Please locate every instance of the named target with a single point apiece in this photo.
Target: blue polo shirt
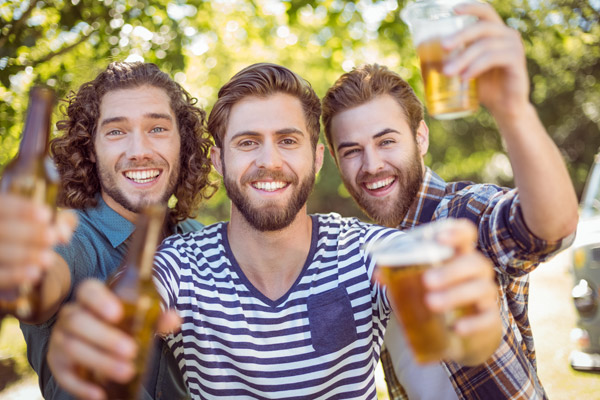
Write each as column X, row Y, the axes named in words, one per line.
column 95, row 251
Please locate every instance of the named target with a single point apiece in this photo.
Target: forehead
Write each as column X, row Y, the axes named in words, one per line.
column 365, row 120
column 266, row 114
column 133, row 101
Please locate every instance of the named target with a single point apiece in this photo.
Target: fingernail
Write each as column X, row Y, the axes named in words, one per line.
column 431, row 278
column 125, row 371
column 449, row 69
column 32, row 273
column 127, row 347
column 47, row 258
column 42, row 214
column 434, row 301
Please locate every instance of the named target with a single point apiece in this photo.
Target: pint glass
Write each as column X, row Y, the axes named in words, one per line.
column 401, row 264
column 447, row 97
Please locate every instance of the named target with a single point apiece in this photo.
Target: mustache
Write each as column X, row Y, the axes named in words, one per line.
column 367, row 177
column 262, row 174
column 127, row 164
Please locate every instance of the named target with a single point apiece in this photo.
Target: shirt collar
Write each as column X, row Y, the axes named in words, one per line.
column 428, row 197
column 114, row 226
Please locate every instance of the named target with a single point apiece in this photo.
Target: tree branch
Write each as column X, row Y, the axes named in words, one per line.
column 53, row 54
column 18, row 22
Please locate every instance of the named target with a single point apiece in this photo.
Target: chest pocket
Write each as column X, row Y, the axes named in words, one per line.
column 331, row 320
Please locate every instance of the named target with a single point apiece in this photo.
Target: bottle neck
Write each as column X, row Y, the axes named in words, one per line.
column 146, row 238
column 36, row 134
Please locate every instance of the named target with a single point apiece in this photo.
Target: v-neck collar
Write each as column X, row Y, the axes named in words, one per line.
column 257, row 293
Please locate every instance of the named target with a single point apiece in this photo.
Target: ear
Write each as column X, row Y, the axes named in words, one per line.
column 320, row 152
column 422, row 138
column 215, row 158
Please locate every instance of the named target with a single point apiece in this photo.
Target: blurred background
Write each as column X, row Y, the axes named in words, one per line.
column 63, row 43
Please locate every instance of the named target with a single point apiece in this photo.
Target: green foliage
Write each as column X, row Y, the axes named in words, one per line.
column 203, row 43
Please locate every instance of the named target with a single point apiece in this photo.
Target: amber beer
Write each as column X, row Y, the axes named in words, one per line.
column 447, row 97
column 429, row 21
column 32, row 175
column 401, row 265
column 133, row 285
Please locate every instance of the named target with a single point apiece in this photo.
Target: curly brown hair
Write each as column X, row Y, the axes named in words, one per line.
column 73, row 151
column 262, row 80
column 362, row 85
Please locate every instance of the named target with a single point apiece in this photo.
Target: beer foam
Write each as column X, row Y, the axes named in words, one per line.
column 411, row 253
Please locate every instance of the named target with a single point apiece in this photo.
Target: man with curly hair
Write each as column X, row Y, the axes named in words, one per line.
column 130, row 137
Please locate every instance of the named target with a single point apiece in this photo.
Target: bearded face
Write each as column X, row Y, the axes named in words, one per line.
column 268, row 215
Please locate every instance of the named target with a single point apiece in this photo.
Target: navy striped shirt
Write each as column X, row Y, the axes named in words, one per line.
column 319, row 340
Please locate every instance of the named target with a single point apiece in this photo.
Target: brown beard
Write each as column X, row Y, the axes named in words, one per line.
column 269, row 218
column 391, row 212
column 109, row 186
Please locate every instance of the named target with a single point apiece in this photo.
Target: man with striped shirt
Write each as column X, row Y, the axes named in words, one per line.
column 374, row 126
column 277, row 303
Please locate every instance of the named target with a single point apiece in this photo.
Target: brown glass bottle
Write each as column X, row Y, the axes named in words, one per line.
column 134, row 286
column 31, row 174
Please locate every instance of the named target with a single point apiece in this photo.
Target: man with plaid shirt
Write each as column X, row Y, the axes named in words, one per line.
column 375, row 131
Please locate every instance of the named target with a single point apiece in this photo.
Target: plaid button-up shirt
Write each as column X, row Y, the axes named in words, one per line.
column 510, row 373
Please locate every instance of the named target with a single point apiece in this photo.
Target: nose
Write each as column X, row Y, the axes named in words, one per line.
column 269, row 157
column 139, row 146
column 372, row 162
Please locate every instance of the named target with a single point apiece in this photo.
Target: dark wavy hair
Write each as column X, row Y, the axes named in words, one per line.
column 73, row 150
column 262, row 80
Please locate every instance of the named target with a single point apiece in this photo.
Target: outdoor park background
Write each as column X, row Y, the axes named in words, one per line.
column 63, row 43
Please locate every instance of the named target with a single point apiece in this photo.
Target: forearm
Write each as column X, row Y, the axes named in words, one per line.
column 548, row 200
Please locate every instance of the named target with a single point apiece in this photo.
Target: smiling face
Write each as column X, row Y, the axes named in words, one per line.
column 379, row 158
column 137, row 146
column 267, row 160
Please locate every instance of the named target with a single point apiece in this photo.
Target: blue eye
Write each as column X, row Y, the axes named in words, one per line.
column 158, row 129
column 114, row 132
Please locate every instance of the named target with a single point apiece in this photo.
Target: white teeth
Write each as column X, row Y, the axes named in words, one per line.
column 269, row 186
column 379, row 184
column 144, row 176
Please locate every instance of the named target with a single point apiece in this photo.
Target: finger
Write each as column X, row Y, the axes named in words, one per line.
column 489, row 59
column 476, row 32
column 97, row 298
column 84, row 355
column 460, row 269
column 65, row 371
column 13, row 206
column 93, row 331
column 461, row 234
column 16, row 276
column 168, row 323
column 483, row 11
column 18, row 255
column 472, row 324
column 66, row 222
column 481, row 294
column 14, row 230
column 489, row 53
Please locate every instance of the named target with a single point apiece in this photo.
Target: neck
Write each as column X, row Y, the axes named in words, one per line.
column 271, row 260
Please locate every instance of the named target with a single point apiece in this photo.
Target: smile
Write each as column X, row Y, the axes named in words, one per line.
column 143, row 176
column 379, row 184
column 269, row 186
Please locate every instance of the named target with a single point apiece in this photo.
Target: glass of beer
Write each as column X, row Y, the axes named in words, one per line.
column 447, row 97
column 401, row 263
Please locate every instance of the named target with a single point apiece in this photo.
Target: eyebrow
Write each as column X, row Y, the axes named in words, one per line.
column 148, row 115
column 280, row 132
column 375, row 136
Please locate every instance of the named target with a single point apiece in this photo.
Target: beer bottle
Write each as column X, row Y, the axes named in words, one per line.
column 134, row 286
column 31, row 174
